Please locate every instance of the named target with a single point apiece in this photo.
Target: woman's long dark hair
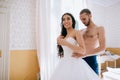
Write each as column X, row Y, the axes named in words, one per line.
column 64, row 33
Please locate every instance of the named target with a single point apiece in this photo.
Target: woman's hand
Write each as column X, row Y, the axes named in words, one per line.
column 61, row 41
column 60, row 37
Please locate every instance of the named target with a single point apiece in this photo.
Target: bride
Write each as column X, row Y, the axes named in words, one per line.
column 72, row 67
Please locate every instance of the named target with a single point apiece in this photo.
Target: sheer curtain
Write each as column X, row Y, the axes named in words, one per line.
column 48, row 19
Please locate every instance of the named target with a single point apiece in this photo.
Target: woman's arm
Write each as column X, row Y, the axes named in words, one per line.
column 76, row 49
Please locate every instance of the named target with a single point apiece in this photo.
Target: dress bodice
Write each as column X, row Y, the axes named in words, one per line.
column 68, row 51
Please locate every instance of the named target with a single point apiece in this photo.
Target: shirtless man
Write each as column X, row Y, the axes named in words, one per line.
column 94, row 38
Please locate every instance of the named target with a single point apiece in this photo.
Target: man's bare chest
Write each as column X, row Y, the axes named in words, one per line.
column 90, row 34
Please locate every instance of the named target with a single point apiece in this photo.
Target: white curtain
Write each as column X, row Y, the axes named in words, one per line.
column 46, row 38
column 48, row 19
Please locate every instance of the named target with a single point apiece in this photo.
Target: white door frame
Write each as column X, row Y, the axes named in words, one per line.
column 4, row 74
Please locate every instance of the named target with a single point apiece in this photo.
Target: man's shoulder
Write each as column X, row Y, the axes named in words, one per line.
column 100, row 28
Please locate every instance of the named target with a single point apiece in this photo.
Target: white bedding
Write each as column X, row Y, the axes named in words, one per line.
column 112, row 74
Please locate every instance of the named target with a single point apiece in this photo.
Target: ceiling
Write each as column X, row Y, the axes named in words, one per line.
column 106, row 3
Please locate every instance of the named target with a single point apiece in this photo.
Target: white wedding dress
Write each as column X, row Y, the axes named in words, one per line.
column 70, row 68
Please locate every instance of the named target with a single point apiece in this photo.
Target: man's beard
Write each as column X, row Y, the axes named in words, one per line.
column 88, row 23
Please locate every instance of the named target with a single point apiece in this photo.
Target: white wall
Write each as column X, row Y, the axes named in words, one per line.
column 22, row 24
column 109, row 18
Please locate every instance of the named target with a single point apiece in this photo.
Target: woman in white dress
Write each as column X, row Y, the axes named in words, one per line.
column 71, row 45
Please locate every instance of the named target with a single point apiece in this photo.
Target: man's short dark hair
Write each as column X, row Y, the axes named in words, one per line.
column 85, row 11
